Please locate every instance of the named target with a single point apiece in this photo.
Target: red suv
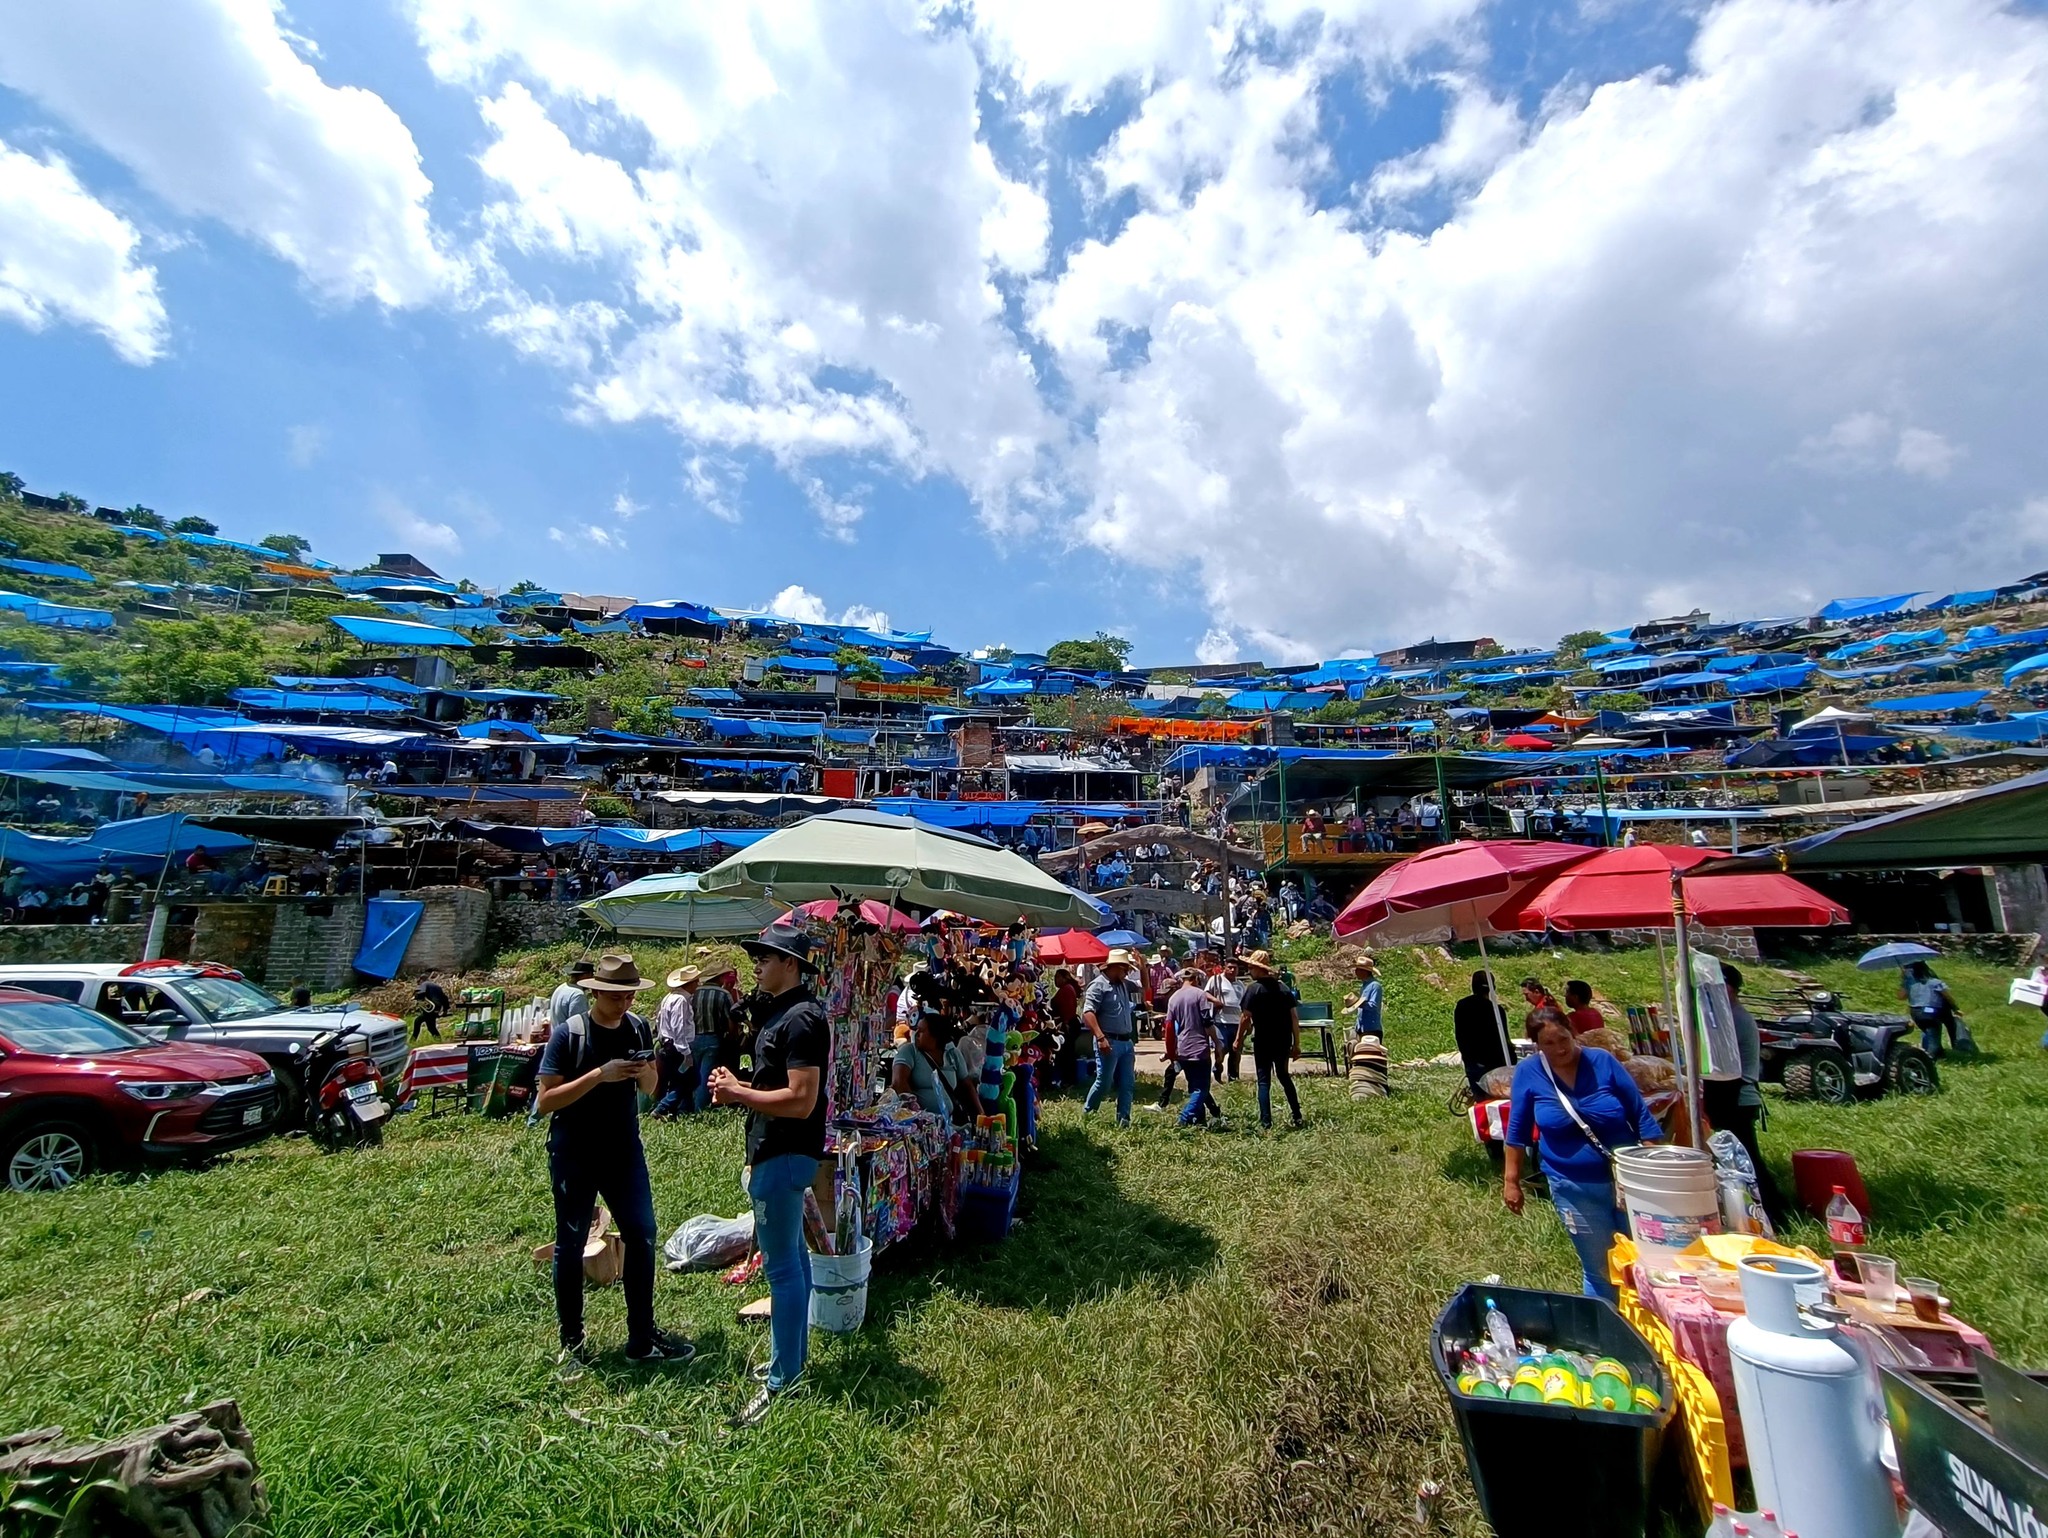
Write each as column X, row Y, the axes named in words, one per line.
column 79, row 1092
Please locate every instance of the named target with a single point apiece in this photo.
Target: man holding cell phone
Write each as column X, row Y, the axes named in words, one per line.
column 593, row 1071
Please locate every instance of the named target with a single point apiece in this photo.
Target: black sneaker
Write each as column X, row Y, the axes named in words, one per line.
column 662, row 1350
column 573, row 1358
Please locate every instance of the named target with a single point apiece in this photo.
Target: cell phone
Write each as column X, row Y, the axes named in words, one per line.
column 641, row 1057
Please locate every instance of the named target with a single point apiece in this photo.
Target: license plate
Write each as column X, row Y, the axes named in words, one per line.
column 253, row 1116
column 363, row 1091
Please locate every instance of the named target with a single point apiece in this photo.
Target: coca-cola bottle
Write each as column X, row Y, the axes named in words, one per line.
column 1845, row 1223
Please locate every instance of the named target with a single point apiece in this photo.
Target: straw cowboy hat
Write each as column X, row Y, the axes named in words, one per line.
column 682, row 977
column 615, row 973
column 1119, row 958
column 1260, row 961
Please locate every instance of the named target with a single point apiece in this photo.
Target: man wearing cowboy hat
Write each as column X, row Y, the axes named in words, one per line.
column 1366, row 1005
column 1110, row 1011
column 675, row 1032
column 1273, row 1016
column 592, row 1073
column 785, row 1106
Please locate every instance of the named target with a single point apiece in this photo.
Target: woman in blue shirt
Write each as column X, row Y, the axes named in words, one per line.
column 1561, row 1078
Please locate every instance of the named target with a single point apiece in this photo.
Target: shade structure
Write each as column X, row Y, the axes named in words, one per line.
column 1072, row 948
column 1125, row 937
column 1455, row 886
column 854, row 854
column 1631, row 889
column 674, row 907
column 879, row 914
column 1884, row 958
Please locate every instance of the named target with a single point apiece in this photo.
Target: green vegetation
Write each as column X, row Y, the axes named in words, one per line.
column 290, row 545
column 192, row 662
column 1106, row 653
column 1572, row 649
column 194, row 525
column 1223, row 1334
column 855, row 663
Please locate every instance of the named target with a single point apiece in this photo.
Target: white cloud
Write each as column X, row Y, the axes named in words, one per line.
column 714, row 485
column 797, row 603
column 1639, row 356
column 1216, row 645
column 625, row 509
column 868, row 619
column 210, row 105
column 65, row 256
column 1478, row 133
column 838, row 515
column 416, row 534
column 304, row 443
column 587, row 536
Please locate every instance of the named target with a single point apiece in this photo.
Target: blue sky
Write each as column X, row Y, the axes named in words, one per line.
column 1244, row 330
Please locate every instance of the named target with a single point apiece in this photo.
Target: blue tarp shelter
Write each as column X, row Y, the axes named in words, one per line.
column 639, row 840
column 1975, row 642
column 2020, row 730
column 371, row 581
column 362, row 702
column 1867, row 608
column 716, row 696
column 1971, row 600
column 1771, row 680
column 1274, row 699
column 397, row 632
column 261, row 552
column 58, row 569
column 2021, row 670
column 790, row 663
column 1921, row 704
column 607, row 627
column 140, row 844
column 1609, row 649
column 388, row 925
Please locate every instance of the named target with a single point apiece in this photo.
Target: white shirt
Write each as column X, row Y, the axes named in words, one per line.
column 675, row 1020
column 1228, row 993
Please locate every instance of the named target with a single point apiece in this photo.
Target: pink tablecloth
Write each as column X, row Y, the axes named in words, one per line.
column 1700, row 1332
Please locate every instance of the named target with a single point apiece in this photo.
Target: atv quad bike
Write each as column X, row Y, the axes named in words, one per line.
column 1818, row 1050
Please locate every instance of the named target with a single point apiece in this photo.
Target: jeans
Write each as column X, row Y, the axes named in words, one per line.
column 1270, row 1061
column 618, row 1173
column 703, row 1057
column 1958, row 1033
column 1173, row 1067
column 1229, row 1049
column 1201, row 1104
column 1115, row 1060
column 777, row 1186
column 673, row 1081
column 1592, row 1218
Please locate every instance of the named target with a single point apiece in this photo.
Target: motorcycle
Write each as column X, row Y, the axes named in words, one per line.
column 347, row 1103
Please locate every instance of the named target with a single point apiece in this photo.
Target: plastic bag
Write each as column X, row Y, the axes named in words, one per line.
column 1742, row 1203
column 1652, row 1074
column 1609, row 1040
column 709, row 1241
column 1496, row 1083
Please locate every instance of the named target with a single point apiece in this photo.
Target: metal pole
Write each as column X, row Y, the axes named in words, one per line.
column 1606, row 827
column 1690, row 1067
column 1500, row 1015
column 1443, row 801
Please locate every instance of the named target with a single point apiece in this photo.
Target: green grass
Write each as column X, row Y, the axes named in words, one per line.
column 1189, row 1333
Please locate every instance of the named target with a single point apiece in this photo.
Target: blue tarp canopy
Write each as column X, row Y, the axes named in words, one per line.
column 1519, row 659
column 1867, row 608
column 891, row 668
column 441, row 614
column 38, row 611
column 674, row 609
column 1771, row 680
column 139, row 844
column 2020, row 730
column 1673, row 681
column 1610, row 649
column 373, row 581
column 397, row 632
column 991, row 814
column 716, row 696
column 640, row 840
column 506, row 696
column 1958, row 699
column 1975, row 641
column 795, row 731
column 388, row 925
column 1001, row 686
column 2022, row 669
column 261, row 552
column 1970, row 600
column 484, row 731
column 607, row 627
column 359, row 703
column 1274, row 699
column 1495, row 680
column 812, row 647
column 47, row 569
column 790, row 663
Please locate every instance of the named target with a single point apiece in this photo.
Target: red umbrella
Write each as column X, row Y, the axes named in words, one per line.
column 879, row 914
column 1528, row 742
column 1074, row 946
column 1454, row 884
column 1631, row 889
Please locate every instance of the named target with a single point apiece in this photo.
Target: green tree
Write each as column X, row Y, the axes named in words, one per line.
column 855, row 663
column 1106, row 653
column 143, row 517
column 11, row 485
column 191, row 525
column 1000, row 654
column 72, row 502
column 192, row 662
column 1579, row 642
column 290, row 545
column 1625, row 699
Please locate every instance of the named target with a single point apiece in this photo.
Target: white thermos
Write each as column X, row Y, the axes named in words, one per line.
column 1810, row 1415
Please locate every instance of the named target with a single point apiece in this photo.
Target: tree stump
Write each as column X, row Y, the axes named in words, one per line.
column 193, row 1477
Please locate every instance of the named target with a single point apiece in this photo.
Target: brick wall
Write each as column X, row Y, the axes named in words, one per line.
column 24, row 944
column 235, row 935
column 313, row 950
column 452, row 929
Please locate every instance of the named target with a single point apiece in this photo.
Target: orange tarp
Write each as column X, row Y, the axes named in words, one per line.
column 1185, row 731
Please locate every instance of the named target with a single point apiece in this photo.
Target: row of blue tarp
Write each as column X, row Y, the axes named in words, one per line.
column 2021, row 731
column 236, row 737
column 139, row 844
column 991, row 814
column 371, row 581
column 361, row 702
column 1771, row 680
column 606, row 627
column 634, row 840
column 1867, row 608
column 1275, row 699
column 67, row 572
column 441, row 614
column 2025, row 668
column 1923, row 704
column 261, row 552
column 40, row 611
column 397, row 632
column 1977, row 641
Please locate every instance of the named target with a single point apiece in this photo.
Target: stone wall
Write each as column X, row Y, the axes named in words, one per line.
column 236, row 935
column 316, row 950
column 29, row 944
column 519, row 923
column 452, row 929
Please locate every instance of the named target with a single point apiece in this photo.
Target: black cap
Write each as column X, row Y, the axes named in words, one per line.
column 782, row 940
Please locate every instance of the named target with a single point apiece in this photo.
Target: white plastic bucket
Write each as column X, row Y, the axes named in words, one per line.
column 1670, row 1195
column 839, row 1289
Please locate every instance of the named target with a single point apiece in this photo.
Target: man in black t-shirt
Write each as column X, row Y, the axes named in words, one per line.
column 1273, row 1017
column 785, row 1107
column 592, row 1073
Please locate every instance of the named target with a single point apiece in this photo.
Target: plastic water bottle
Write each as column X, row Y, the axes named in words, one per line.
column 1845, row 1224
column 1499, row 1332
column 1723, row 1525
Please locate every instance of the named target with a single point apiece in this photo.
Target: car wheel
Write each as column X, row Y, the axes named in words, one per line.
column 1834, row 1081
column 49, row 1156
column 1911, row 1071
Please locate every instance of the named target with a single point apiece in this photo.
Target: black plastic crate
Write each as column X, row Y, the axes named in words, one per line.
column 1541, row 1469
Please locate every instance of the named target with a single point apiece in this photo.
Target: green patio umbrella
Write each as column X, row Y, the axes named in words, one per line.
column 675, row 907
column 856, row 854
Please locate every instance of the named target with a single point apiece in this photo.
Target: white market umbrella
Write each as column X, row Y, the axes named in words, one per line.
column 857, row 854
column 675, row 907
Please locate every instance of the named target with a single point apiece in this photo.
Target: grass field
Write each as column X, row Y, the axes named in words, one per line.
column 1189, row 1333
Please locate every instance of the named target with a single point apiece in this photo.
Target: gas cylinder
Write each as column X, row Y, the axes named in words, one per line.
column 1810, row 1413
